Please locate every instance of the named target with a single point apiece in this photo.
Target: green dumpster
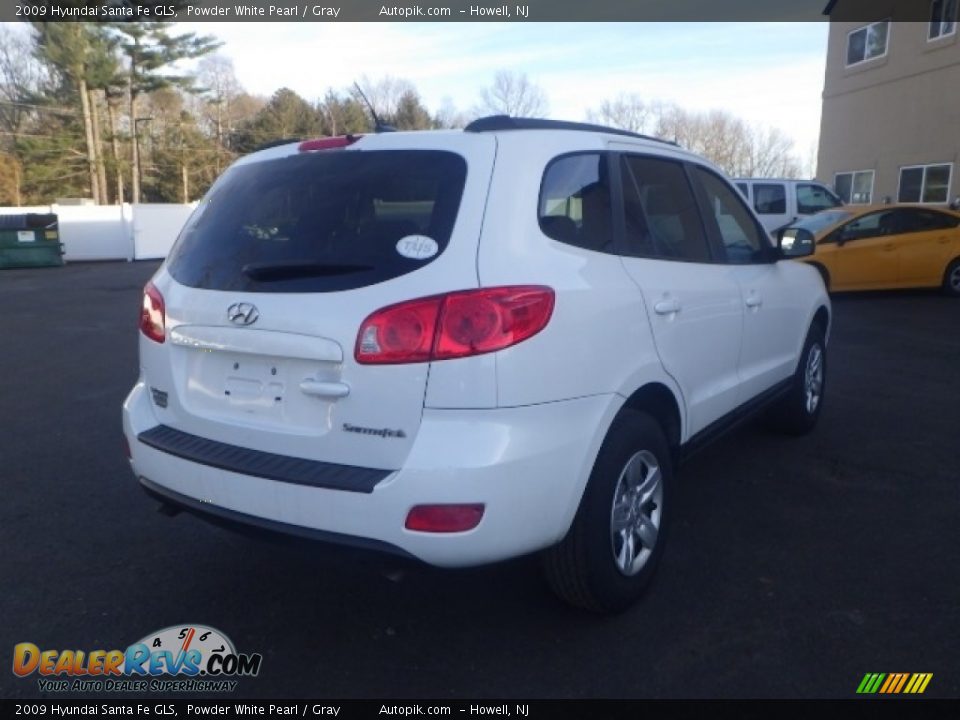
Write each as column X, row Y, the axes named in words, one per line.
column 30, row 240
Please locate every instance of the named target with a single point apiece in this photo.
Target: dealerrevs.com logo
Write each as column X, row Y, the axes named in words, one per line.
column 187, row 658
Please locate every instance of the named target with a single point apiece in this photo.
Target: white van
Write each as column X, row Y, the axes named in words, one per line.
column 780, row 201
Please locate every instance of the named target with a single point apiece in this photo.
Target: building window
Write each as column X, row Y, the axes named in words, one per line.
column 943, row 18
column 868, row 42
column 925, row 183
column 854, row 188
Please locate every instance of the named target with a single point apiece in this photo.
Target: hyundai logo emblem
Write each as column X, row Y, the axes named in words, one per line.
column 243, row 313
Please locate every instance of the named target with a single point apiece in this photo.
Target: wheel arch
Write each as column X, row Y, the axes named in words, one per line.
column 654, row 397
column 824, row 273
column 946, row 268
column 659, row 401
column 822, row 318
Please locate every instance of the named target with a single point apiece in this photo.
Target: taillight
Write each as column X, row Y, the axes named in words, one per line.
column 455, row 325
column 444, row 518
column 153, row 314
column 328, row 143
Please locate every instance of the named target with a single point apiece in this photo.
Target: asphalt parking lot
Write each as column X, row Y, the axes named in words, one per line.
column 793, row 568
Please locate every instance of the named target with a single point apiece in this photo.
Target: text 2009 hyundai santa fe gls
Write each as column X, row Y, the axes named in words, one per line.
column 465, row 346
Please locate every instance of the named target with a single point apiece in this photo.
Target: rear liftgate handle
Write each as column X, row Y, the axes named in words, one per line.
column 331, row 390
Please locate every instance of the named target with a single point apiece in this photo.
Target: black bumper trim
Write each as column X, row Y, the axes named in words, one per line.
column 262, row 464
column 261, row 527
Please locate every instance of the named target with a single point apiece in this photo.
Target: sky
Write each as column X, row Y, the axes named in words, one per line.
column 769, row 74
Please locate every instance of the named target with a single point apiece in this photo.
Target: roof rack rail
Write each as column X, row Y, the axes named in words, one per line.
column 493, row 123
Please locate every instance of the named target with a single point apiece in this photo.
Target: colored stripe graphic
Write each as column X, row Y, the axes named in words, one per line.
column 903, row 679
column 870, row 683
column 892, row 679
column 894, row 683
column 918, row 683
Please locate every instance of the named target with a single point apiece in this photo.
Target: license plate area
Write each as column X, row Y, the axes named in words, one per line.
column 256, row 390
column 254, row 384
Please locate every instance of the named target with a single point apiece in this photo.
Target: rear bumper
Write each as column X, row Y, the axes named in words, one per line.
column 527, row 465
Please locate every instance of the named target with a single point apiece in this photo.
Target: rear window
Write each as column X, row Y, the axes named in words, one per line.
column 321, row 222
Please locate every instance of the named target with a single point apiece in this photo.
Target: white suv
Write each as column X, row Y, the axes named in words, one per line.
column 464, row 346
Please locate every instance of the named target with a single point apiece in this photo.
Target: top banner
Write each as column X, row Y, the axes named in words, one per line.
column 464, row 10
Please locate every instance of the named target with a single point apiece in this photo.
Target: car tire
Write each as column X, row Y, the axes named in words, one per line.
column 797, row 412
column 951, row 279
column 612, row 549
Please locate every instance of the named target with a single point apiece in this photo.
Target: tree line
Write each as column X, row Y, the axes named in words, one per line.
column 99, row 110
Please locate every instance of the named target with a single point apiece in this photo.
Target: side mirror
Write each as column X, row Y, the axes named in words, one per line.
column 796, row 242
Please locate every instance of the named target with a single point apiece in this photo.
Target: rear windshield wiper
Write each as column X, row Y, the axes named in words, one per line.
column 271, row 272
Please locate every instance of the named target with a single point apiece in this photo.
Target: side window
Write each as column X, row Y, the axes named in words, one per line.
column 575, row 206
column 814, row 198
column 661, row 217
column 742, row 187
column 769, row 198
column 739, row 233
column 911, row 221
column 875, row 224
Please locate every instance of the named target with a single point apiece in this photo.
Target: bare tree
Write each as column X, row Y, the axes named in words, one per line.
column 738, row 148
column 773, row 154
column 384, row 94
column 626, row 111
column 448, row 117
column 513, row 94
column 221, row 89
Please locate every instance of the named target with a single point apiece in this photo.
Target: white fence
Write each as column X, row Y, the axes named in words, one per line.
column 114, row 232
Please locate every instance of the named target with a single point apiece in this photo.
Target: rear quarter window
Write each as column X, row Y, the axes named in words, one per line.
column 321, row 222
column 575, row 202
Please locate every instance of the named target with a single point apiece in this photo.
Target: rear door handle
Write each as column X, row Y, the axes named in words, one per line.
column 325, row 389
column 667, row 307
column 754, row 301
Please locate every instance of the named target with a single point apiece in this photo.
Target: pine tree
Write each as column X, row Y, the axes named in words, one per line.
column 150, row 49
column 67, row 47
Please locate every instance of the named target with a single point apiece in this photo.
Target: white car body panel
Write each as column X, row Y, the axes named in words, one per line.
column 517, row 430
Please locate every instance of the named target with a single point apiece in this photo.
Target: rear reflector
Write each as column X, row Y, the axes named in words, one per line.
column 444, row 518
column 153, row 314
column 328, row 143
column 455, row 325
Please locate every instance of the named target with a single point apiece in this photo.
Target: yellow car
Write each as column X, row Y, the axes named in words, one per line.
column 877, row 247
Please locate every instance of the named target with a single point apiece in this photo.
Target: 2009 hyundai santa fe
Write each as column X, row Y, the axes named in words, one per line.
column 470, row 345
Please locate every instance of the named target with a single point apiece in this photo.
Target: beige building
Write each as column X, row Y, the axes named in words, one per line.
column 891, row 104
